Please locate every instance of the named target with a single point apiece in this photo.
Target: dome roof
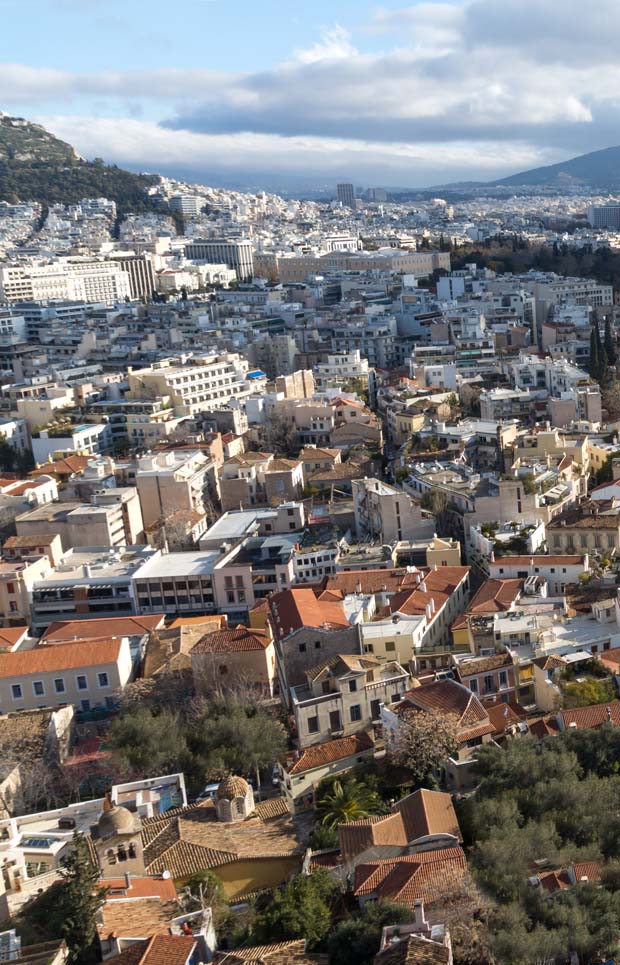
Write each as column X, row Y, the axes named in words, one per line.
column 232, row 787
column 115, row 820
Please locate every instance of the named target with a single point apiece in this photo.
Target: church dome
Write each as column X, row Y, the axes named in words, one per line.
column 115, row 820
column 232, row 787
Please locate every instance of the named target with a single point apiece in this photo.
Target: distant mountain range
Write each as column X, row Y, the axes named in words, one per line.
column 36, row 166
column 598, row 169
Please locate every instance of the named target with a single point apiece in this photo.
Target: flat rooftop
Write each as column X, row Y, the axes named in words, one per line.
column 199, row 563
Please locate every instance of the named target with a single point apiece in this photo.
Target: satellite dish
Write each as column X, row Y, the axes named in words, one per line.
column 165, row 875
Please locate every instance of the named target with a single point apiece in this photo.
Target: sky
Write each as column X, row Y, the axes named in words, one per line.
column 311, row 91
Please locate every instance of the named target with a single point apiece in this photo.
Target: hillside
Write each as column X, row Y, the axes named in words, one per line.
column 599, row 169
column 36, row 166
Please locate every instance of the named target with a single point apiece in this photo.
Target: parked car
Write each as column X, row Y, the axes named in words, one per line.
column 208, row 793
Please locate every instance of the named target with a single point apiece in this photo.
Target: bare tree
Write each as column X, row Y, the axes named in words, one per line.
column 424, row 740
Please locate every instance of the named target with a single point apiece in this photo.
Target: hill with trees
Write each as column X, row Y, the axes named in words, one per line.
column 37, row 166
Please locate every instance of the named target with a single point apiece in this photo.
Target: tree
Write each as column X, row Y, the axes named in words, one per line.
column 422, row 742
column 147, row 742
column 347, row 801
column 587, row 692
column 280, row 435
column 232, row 737
column 70, row 907
column 301, row 909
column 356, row 940
column 610, row 342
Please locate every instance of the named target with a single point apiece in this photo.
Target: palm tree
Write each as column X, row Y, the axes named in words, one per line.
column 347, row 802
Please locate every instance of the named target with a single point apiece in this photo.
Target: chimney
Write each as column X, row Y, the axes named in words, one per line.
column 421, row 923
column 358, row 587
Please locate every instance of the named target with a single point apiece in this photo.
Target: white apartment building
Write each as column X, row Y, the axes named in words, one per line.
column 64, row 280
column 187, row 205
column 210, row 383
column 236, row 254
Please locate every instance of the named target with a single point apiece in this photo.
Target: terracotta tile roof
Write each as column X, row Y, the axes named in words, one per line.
column 9, row 636
column 137, row 917
column 494, row 596
column 450, row 697
column 293, row 609
column 63, row 467
column 553, row 881
column 576, row 519
column 65, row 656
column 168, row 950
column 354, row 837
column 279, row 953
column 591, row 717
column 67, row 630
column 413, row 950
column 131, row 955
column 427, row 813
column 237, row 640
column 25, row 733
column 610, row 659
column 194, row 840
column 503, row 715
column 39, row 539
column 337, row 750
column 476, row 665
column 309, row 454
column 429, row 876
column 592, row 870
column 549, row 662
column 205, row 619
column 544, row 727
column 372, row 581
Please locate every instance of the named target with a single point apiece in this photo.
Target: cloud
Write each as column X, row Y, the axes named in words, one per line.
column 146, row 145
column 335, row 44
column 473, row 83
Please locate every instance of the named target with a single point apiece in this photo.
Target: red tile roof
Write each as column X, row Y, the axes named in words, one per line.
column 293, row 609
column 429, row 876
column 591, row 717
column 450, row 697
column 66, row 630
column 147, row 887
column 591, row 870
column 237, row 640
column 9, row 636
column 65, row 656
column 494, row 596
column 331, row 751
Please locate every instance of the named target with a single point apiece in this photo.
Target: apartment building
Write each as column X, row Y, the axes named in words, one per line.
column 176, row 583
column 236, row 254
column 343, row 695
column 173, row 481
column 559, row 571
column 84, row 674
column 64, row 280
column 86, row 439
column 105, row 521
column 89, row 582
column 387, row 514
column 211, row 384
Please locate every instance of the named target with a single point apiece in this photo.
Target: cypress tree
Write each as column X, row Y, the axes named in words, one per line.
column 594, row 361
column 610, row 344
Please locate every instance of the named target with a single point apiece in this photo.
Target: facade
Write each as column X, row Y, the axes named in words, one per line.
column 344, row 695
column 86, row 675
column 230, row 658
column 235, row 254
column 173, row 481
column 192, row 388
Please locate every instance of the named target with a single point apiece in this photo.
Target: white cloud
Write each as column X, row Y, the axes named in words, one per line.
column 147, row 146
column 335, row 44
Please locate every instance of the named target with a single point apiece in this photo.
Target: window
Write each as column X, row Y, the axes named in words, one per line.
column 334, row 720
column 488, row 683
column 317, row 644
column 375, row 709
column 355, row 712
column 223, row 668
column 473, row 686
column 503, row 678
column 38, row 688
column 313, row 725
column 16, row 691
column 395, row 698
column 103, row 680
column 59, row 685
column 82, row 682
column 85, row 705
column 110, row 703
column 352, row 686
column 390, row 646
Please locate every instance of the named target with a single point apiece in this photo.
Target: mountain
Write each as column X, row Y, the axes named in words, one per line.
column 36, row 166
column 598, row 169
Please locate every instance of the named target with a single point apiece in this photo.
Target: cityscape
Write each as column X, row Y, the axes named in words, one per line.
column 310, row 489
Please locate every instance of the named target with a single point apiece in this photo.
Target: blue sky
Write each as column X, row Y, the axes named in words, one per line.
column 392, row 93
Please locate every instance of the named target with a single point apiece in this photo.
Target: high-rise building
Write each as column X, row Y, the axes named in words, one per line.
column 235, row 254
column 346, row 194
column 140, row 271
column 187, row 205
column 76, row 281
column 604, row 215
